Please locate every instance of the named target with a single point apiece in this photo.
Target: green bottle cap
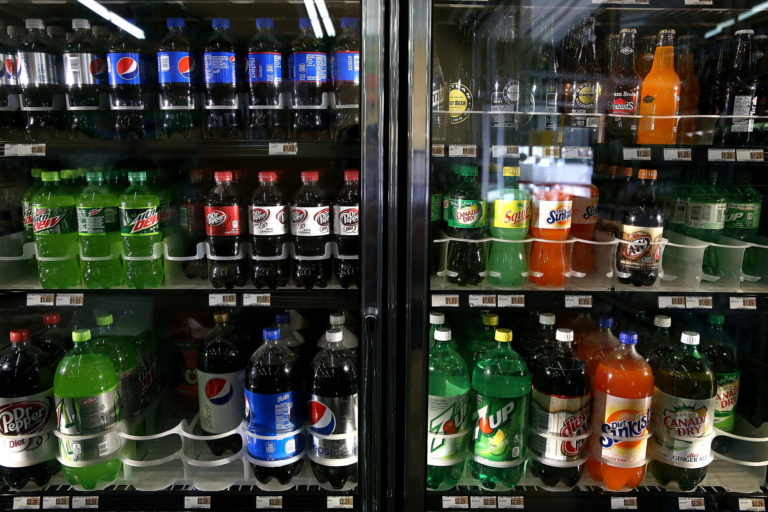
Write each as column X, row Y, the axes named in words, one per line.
column 490, row 319
column 82, row 172
column 50, row 176
column 36, row 173
column 99, row 169
column 112, row 175
column 716, row 318
column 81, row 335
column 468, row 170
column 104, row 318
column 504, row 335
column 68, row 174
column 137, row 176
column 94, row 176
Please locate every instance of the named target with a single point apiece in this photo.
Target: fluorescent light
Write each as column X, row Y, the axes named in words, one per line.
column 114, row 18
column 312, row 13
column 325, row 17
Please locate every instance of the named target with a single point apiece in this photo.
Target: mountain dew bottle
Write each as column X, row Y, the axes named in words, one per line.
column 55, row 227
column 447, row 413
column 98, row 223
column 503, row 388
column 140, row 227
column 26, row 204
column 511, row 218
column 120, row 350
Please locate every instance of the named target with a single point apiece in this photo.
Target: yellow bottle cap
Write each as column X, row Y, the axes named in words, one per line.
column 504, row 334
column 490, row 319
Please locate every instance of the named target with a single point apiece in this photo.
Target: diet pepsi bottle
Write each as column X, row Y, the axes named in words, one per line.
column 224, row 216
column 56, row 36
column 308, row 74
column 128, row 81
column 177, row 72
column 192, row 224
column 101, row 35
column 269, row 229
column 85, row 77
column 310, row 227
column 220, row 78
column 8, row 78
column 274, row 407
column 36, row 61
column 265, row 78
column 346, row 229
column 345, row 66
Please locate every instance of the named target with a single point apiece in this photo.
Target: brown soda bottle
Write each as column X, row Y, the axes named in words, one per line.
column 505, row 86
column 689, row 89
column 622, row 90
column 738, row 98
column 582, row 91
column 714, row 79
column 646, row 51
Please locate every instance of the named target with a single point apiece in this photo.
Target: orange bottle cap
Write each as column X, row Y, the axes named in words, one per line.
column 646, row 174
column 624, row 171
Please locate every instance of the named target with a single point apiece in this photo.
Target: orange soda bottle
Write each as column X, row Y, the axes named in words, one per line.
column 582, row 326
column 622, row 392
column 598, row 345
column 552, row 208
column 583, row 223
column 660, row 95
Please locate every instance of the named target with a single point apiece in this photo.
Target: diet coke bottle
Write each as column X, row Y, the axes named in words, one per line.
column 268, row 227
column 224, row 216
column 346, row 227
column 311, row 229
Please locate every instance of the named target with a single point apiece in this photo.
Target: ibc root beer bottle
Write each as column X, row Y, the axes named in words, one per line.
column 660, row 95
column 582, row 92
column 460, row 93
column 622, row 90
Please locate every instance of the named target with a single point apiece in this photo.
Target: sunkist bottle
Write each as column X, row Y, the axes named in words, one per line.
column 660, row 344
column 718, row 347
column 508, row 262
column 660, row 95
column 140, row 227
column 598, row 345
column 583, row 221
column 466, row 218
column 120, row 350
column 482, row 343
column 551, row 220
column 622, row 92
column 642, row 230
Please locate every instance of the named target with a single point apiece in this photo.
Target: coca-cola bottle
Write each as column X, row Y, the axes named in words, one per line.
column 311, row 230
column 622, row 91
column 192, row 224
column 269, row 231
column 224, row 216
column 346, row 228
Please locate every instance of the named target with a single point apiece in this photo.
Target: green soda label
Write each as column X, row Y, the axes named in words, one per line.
column 500, row 431
column 89, row 415
column 436, row 208
column 466, row 213
column 727, row 396
column 743, row 215
column 97, row 220
column 139, row 221
column 54, row 221
column 705, row 215
column 447, row 415
column 29, row 214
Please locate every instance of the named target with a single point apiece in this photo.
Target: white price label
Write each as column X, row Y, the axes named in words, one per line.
column 698, row 2
column 750, row 155
column 698, row 303
column 457, row 150
column 578, row 301
column 24, row 150
column 480, row 301
column 511, row 301
column 721, row 155
column 677, row 154
column 637, row 153
column 267, row 502
column 577, row 152
column 85, row 502
column 743, row 302
column 628, row 503
column 482, row 501
column 690, row 503
column 26, row 503
column 339, row 502
column 257, row 299
column 438, row 150
column 547, row 151
column 69, row 299
column 511, row 502
column 441, row 301
column 191, row 502
column 505, row 151
column 752, row 504
column 670, row 302
column 55, row 502
column 40, row 299
column 283, row 148
column 222, row 299
column 455, row 502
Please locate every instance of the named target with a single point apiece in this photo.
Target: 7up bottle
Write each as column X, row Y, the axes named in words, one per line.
column 503, row 388
column 447, row 413
column 140, row 227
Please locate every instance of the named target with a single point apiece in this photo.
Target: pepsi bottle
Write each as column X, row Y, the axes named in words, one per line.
column 346, row 229
column 8, row 77
column 102, row 36
column 85, row 77
column 220, row 78
column 333, row 412
column 265, row 78
column 345, row 63
column 308, row 75
column 192, row 224
column 310, row 227
column 36, row 61
column 224, row 217
column 128, row 82
column 269, row 232
column 177, row 70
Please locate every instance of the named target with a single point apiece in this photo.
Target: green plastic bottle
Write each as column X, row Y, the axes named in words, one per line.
column 140, row 227
column 705, row 218
column 82, row 176
column 500, row 416
column 465, row 210
column 447, row 413
column 113, row 181
column 481, row 344
column 677, row 204
column 508, row 262
column 69, row 181
column 120, row 350
column 135, row 325
column 719, row 349
column 26, row 204
column 164, row 211
column 742, row 217
column 85, row 387
column 437, row 319
column 660, row 344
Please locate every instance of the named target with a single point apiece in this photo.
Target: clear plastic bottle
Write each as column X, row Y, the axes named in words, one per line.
column 337, row 321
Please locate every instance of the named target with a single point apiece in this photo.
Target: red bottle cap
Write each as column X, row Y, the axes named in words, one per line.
column 310, row 176
column 18, row 335
column 51, row 318
column 223, row 176
column 268, row 176
column 196, row 174
column 236, row 175
column 351, row 175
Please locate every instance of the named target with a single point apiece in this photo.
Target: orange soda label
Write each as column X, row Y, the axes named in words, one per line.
column 624, row 418
column 552, row 214
column 585, row 210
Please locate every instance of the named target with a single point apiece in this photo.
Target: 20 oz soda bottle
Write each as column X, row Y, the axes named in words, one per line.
column 9, row 83
column 128, row 80
column 346, row 229
column 26, row 204
column 268, row 226
column 220, row 82
column 551, row 220
column 38, row 79
column 177, row 73
column 508, row 262
column 85, row 77
column 224, row 217
column 345, row 68
column 640, row 253
column 192, row 223
column 465, row 216
column 140, row 227
column 307, row 71
column 310, row 227
column 265, row 79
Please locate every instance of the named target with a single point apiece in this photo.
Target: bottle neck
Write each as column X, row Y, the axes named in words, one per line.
column 625, row 56
column 95, row 182
column 547, row 328
column 646, row 192
column 661, row 331
column 743, row 55
column 511, row 182
column 503, row 345
column 664, row 58
column 175, row 30
column 263, row 31
column 349, row 31
column 442, row 345
column 603, row 329
column 351, row 182
column 691, row 350
column 306, row 31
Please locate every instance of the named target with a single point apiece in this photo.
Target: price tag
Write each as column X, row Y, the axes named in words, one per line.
column 283, row 148
column 24, row 150
column 669, row 302
column 222, row 299
column 438, row 150
column 40, row 299
column 749, row 155
column 55, row 502
column 752, row 504
column 511, row 502
column 578, row 301
column 269, row 502
column 698, row 2
column 505, row 151
column 69, row 299
column 339, row 502
column 637, row 153
column 197, row 502
column 511, row 301
column 479, row 301
column 85, row 502
column 455, row 502
column 26, row 503
column 628, row 503
column 721, row 155
column 743, row 302
column 698, row 303
column 257, row 299
column 677, row 154
column 458, row 150
column 690, row 503
column 482, row 501
column 441, row 301
column 550, row 151
column 577, row 152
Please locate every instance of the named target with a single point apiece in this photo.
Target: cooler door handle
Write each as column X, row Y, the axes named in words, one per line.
column 371, row 319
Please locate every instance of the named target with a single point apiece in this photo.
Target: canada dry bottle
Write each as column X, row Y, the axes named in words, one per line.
column 466, row 218
column 718, row 347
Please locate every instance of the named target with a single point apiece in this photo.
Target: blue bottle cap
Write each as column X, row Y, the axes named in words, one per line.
column 348, row 22
column 131, row 21
column 628, row 337
column 264, row 23
column 175, row 22
column 272, row 333
column 220, row 23
column 305, row 22
column 283, row 317
column 605, row 321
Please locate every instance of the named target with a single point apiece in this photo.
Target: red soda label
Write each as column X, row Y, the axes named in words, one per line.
column 192, row 216
column 27, row 415
column 223, row 221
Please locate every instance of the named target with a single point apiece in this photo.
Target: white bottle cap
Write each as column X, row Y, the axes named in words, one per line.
column 690, row 338
column 436, row 318
column 547, row 319
column 564, row 335
column 81, row 23
column 334, row 335
column 34, row 23
column 662, row 321
column 337, row 319
column 443, row 334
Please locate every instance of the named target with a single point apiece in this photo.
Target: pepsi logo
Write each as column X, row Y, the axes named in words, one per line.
column 10, row 67
column 232, row 58
column 98, row 68
column 218, row 391
column 321, row 418
column 323, row 217
column 187, row 67
column 127, row 68
column 216, row 218
column 94, row 212
column 259, row 215
column 298, row 215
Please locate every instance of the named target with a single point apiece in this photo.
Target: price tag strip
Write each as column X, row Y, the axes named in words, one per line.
column 677, row 154
column 441, row 301
column 721, row 155
column 637, row 153
column 752, row 504
column 462, row 150
column 438, row 151
column 743, row 302
column 222, row 299
column 455, row 502
column 24, row 150
column 505, row 151
column 577, row 152
column 750, row 155
column 482, row 501
column 26, row 503
column 55, row 502
column 628, row 503
column 482, row 301
column 85, row 502
column 550, row 151
column 197, row 502
column 578, row 301
column 514, row 502
column 269, row 502
column 69, row 299
column 511, row 301
column 698, row 303
column 339, row 502
column 283, row 148
column 669, row 302
column 690, row 503
column 257, row 299
column 40, row 299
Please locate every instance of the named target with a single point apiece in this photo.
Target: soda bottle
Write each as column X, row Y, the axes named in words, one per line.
column 55, row 229
column 461, row 90
column 738, row 97
column 546, row 92
column 140, row 227
column 683, row 416
column 622, row 191
column 508, row 262
column 503, row 388
column 622, row 92
column 715, row 82
column 505, row 85
column 582, row 326
column 192, row 223
column 294, row 340
column 705, row 218
column 332, row 411
column 9, row 83
column 582, row 92
column 439, row 100
column 120, row 350
column 272, row 375
column 742, row 216
column 224, row 216
column 690, row 90
column 269, row 232
column 718, row 347
column 446, row 413
column 528, row 344
column 128, row 81
column 27, row 406
column 345, row 66
column 598, row 345
column 85, row 386
column 465, row 212
column 660, row 345
column 177, row 73
column 622, row 389
column 307, row 73
column 583, row 222
column 16, row 34
column 37, row 77
column 69, row 181
column 349, row 340
column 57, row 39
column 560, row 405
column 646, row 54
column 27, row 211
column 642, row 230
column 101, row 34
column 265, row 79
column 310, row 227
column 98, row 224
column 114, row 181
column 346, row 229
column 85, row 76
column 660, row 95
column 54, row 340
column 552, row 208
column 485, row 340
column 436, row 320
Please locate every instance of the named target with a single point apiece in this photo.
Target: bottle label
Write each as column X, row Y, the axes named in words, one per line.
column 682, row 417
column 89, row 415
column 552, row 214
column 176, row 68
column 310, row 67
column 335, row 417
column 512, row 214
column 23, row 416
column 192, row 216
column 346, row 220
column 186, row 375
column 447, row 415
column 126, row 69
column 347, row 67
column 506, row 101
column 623, row 104
column 706, row 215
column 219, row 68
column 680, row 453
column 97, row 220
column 744, row 106
column 727, row 396
column 310, row 220
column 128, row 391
column 436, row 208
column 139, row 221
column 222, row 221
column 36, row 68
column 91, row 449
column 679, row 211
column 165, row 215
column 550, row 106
column 54, row 221
column 8, row 75
column 641, row 254
column 268, row 220
column 85, row 69
column 585, row 210
column 273, row 415
column 560, row 416
column 465, row 213
column 499, row 434
column 28, row 213
column 622, row 417
column 149, row 385
column 265, row 67
column 221, row 400
column 742, row 215
column 585, row 95
column 459, row 103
